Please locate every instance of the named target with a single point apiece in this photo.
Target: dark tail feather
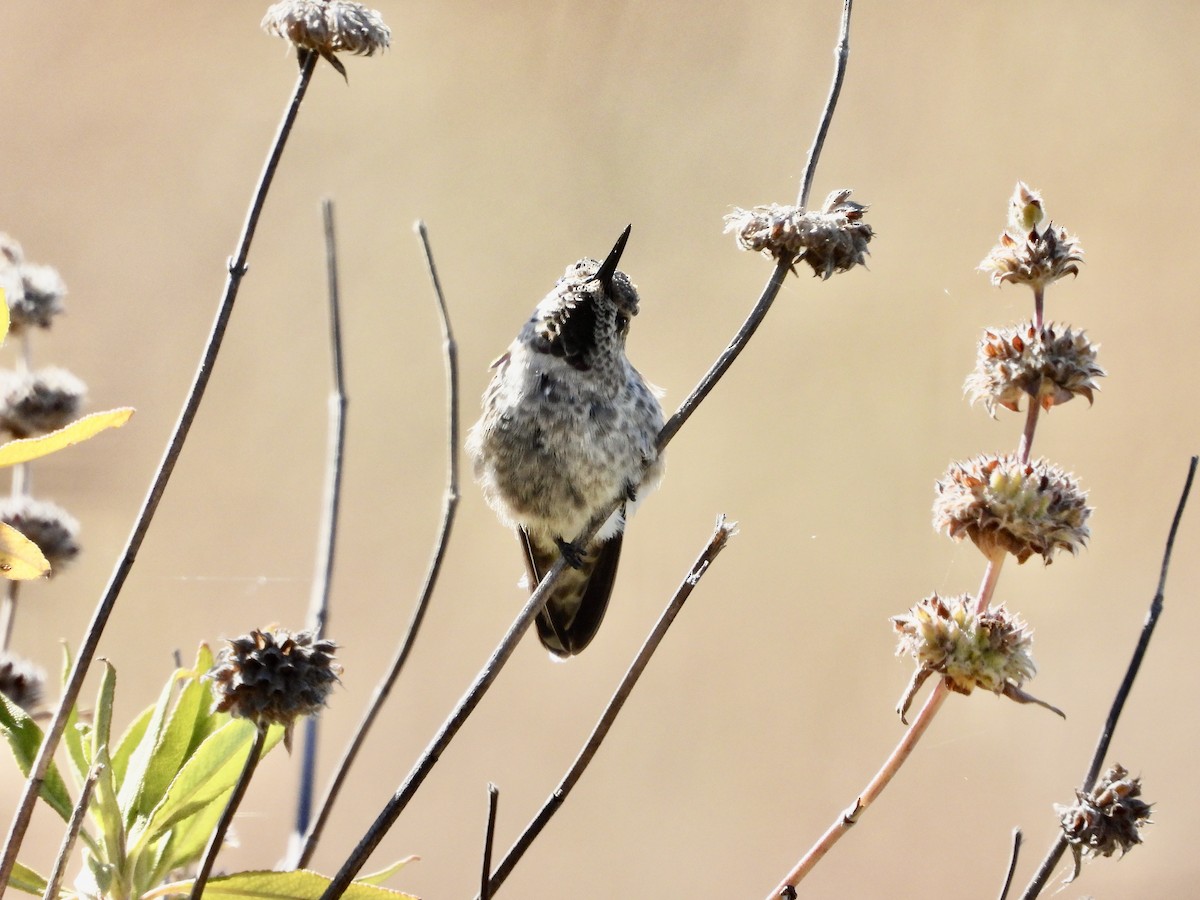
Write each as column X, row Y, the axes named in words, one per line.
column 576, row 606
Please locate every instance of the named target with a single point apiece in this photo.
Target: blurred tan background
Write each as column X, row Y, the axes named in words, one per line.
column 527, row 135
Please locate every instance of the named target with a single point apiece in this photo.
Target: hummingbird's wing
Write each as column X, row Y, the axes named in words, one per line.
column 577, row 604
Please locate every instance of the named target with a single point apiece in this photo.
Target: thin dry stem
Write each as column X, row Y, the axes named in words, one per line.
column 318, row 616
column 720, row 537
column 54, row 882
column 235, row 799
column 1025, row 447
column 449, row 505
column 489, row 840
column 784, row 264
column 1051, row 860
column 1013, row 856
column 335, row 459
column 841, row 56
column 874, row 788
column 991, row 576
column 91, row 640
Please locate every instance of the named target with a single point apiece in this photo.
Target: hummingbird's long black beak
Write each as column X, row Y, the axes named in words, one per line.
column 608, row 268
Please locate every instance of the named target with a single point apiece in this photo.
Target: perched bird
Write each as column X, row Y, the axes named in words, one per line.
column 568, row 427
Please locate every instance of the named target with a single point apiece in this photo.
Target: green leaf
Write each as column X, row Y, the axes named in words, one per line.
column 148, row 868
column 187, row 839
column 127, row 746
column 25, row 737
column 298, row 885
column 137, row 758
column 189, row 724
column 24, row 878
column 102, row 717
column 80, row 430
column 207, row 721
column 204, row 779
column 20, row 558
column 106, row 812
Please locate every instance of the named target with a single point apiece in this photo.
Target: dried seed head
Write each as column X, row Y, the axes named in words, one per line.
column 328, row 27
column 969, row 649
column 20, row 681
column 34, row 293
column 273, row 676
column 989, row 650
column 52, row 528
column 832, row 240
column 1003, row 504
column 1050, row 367
column 1107, row 818
column 41, row 298
column 1026, row 256
column 34, row 403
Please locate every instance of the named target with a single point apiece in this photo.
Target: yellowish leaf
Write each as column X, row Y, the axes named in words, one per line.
column 3, row 315
column 384, row 874
column 80, row 430
column 20, row 558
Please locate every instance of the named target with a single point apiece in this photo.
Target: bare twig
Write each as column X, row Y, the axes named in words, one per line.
column 784, row 264
column 1025, row 448
column 449, row 505
column 849, row 817
column 54, row 882
column 537, row 600
column 430, row 755
column 1118, row 705
column 727, row 357
column 1012, row 864
column 91, row 639
column 318, row 616
column 489, row 839
column 335, row 461
column 882, row 778
column 841, row 56
column 235, row 800
column 720, row 537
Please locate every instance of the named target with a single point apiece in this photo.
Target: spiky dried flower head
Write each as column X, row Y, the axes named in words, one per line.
column 946, row 635
column 21, row 681
column 33, row 403
column 1025, row 255
column 273, row 676
column 41, row 298
column 34, row 292
column 1049, row 366
column 831, row 240
column 328, row 27
column 1003, row 504
column 52, row 528
column 1106, row 819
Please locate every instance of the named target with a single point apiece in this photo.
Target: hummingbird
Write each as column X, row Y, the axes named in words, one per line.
column 569, row 426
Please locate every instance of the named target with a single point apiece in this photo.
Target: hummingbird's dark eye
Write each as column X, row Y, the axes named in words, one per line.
column 622, row 322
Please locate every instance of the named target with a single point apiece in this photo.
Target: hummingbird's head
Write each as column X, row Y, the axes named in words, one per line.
column 586, row 317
